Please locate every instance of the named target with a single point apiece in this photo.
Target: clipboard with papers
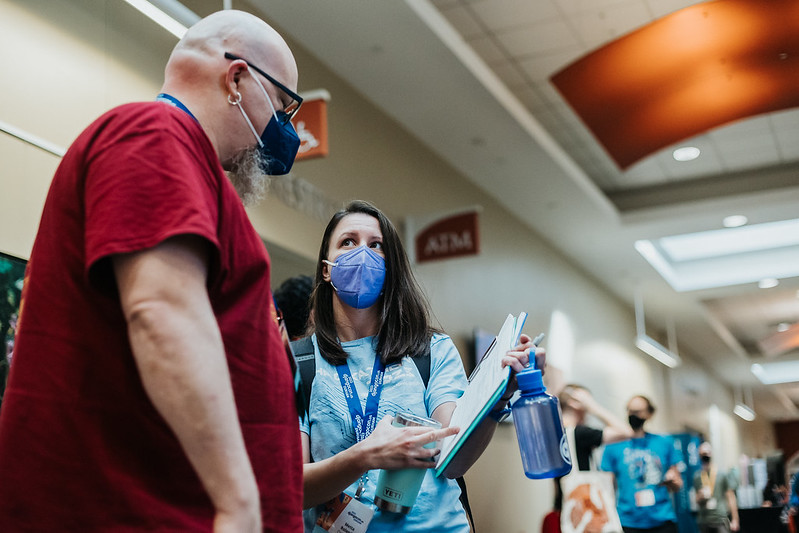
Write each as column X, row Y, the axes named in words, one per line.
column 486, row 385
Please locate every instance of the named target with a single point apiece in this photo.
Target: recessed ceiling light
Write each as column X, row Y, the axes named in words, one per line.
column 768, row 283
column 734, row 221
column 783, row 326
column 686, row 153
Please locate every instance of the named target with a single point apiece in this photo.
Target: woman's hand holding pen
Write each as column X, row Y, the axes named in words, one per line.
column 389, row 447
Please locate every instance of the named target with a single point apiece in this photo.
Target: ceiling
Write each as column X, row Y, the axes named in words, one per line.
column 470, row 78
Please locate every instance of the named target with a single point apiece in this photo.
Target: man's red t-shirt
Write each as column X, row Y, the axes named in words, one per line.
column 82, row 448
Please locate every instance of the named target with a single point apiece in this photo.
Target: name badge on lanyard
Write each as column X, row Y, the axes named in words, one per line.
column 345, row 513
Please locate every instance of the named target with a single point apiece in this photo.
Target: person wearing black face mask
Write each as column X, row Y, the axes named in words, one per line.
column 715, row 496
column 646, row 469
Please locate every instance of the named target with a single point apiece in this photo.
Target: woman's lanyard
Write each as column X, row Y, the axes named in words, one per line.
column 363, row 422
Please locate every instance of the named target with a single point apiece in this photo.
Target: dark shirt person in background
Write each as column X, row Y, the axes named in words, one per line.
column 576, row 403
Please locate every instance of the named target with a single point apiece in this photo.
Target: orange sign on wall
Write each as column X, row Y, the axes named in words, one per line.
column 311, row 124
column 454, row 236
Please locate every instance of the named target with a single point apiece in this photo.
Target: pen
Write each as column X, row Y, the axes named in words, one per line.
column 536, row 342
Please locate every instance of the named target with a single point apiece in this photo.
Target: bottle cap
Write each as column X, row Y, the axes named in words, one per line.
column 530, row 381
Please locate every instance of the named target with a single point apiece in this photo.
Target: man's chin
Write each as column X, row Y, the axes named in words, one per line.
column 247, row 177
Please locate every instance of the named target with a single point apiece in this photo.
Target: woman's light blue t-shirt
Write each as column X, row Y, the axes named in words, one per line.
column 437, row 507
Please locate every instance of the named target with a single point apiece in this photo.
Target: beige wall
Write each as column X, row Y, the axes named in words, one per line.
column 76, row 64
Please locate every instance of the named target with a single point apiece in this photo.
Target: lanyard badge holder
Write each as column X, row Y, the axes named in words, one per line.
column 345, row 513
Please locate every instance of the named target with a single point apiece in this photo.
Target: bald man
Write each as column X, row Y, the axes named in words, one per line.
column 150, row 390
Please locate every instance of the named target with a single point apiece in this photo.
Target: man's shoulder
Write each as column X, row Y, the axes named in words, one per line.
column 142, row 114
column 133, row 109
column 135, row 122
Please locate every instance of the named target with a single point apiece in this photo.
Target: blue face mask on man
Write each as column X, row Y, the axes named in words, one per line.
column 358, row 277
column 278, row 145
column 279, row 142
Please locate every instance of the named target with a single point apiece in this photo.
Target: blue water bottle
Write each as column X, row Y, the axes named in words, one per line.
column 539, row 429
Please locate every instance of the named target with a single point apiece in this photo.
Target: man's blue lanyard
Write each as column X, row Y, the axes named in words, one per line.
column 363, row 422
column 171, row 100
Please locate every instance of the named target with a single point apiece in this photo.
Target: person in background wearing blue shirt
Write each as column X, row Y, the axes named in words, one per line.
column 646, row 469
column 369, row 318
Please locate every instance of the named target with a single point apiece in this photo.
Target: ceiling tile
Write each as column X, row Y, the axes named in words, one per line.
column 788, row 143
column 487, row 49
column 442, row 4
column 462, row 20
column 535, row 39
column 540, row 67
column 742, row 129
column 572, row 7
column 600, row 25
column 530, row 98
column 504, row 14
column 646, row 172
column 749, row 153
column 788, row 119
column 510, row 74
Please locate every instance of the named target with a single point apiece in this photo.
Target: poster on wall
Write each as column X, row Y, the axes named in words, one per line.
column 12, row 275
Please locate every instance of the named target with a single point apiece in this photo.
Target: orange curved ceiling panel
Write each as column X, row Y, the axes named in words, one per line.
column 686, row 73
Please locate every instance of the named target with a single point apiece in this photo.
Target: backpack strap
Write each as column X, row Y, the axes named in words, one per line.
column 423, row 365
column 303, row 351
column 465, row 502
column 304, row 356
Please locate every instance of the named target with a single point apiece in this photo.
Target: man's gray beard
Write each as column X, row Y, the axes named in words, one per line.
column 247, row 177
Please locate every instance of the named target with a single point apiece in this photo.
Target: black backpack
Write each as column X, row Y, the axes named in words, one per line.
column 303, row 350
